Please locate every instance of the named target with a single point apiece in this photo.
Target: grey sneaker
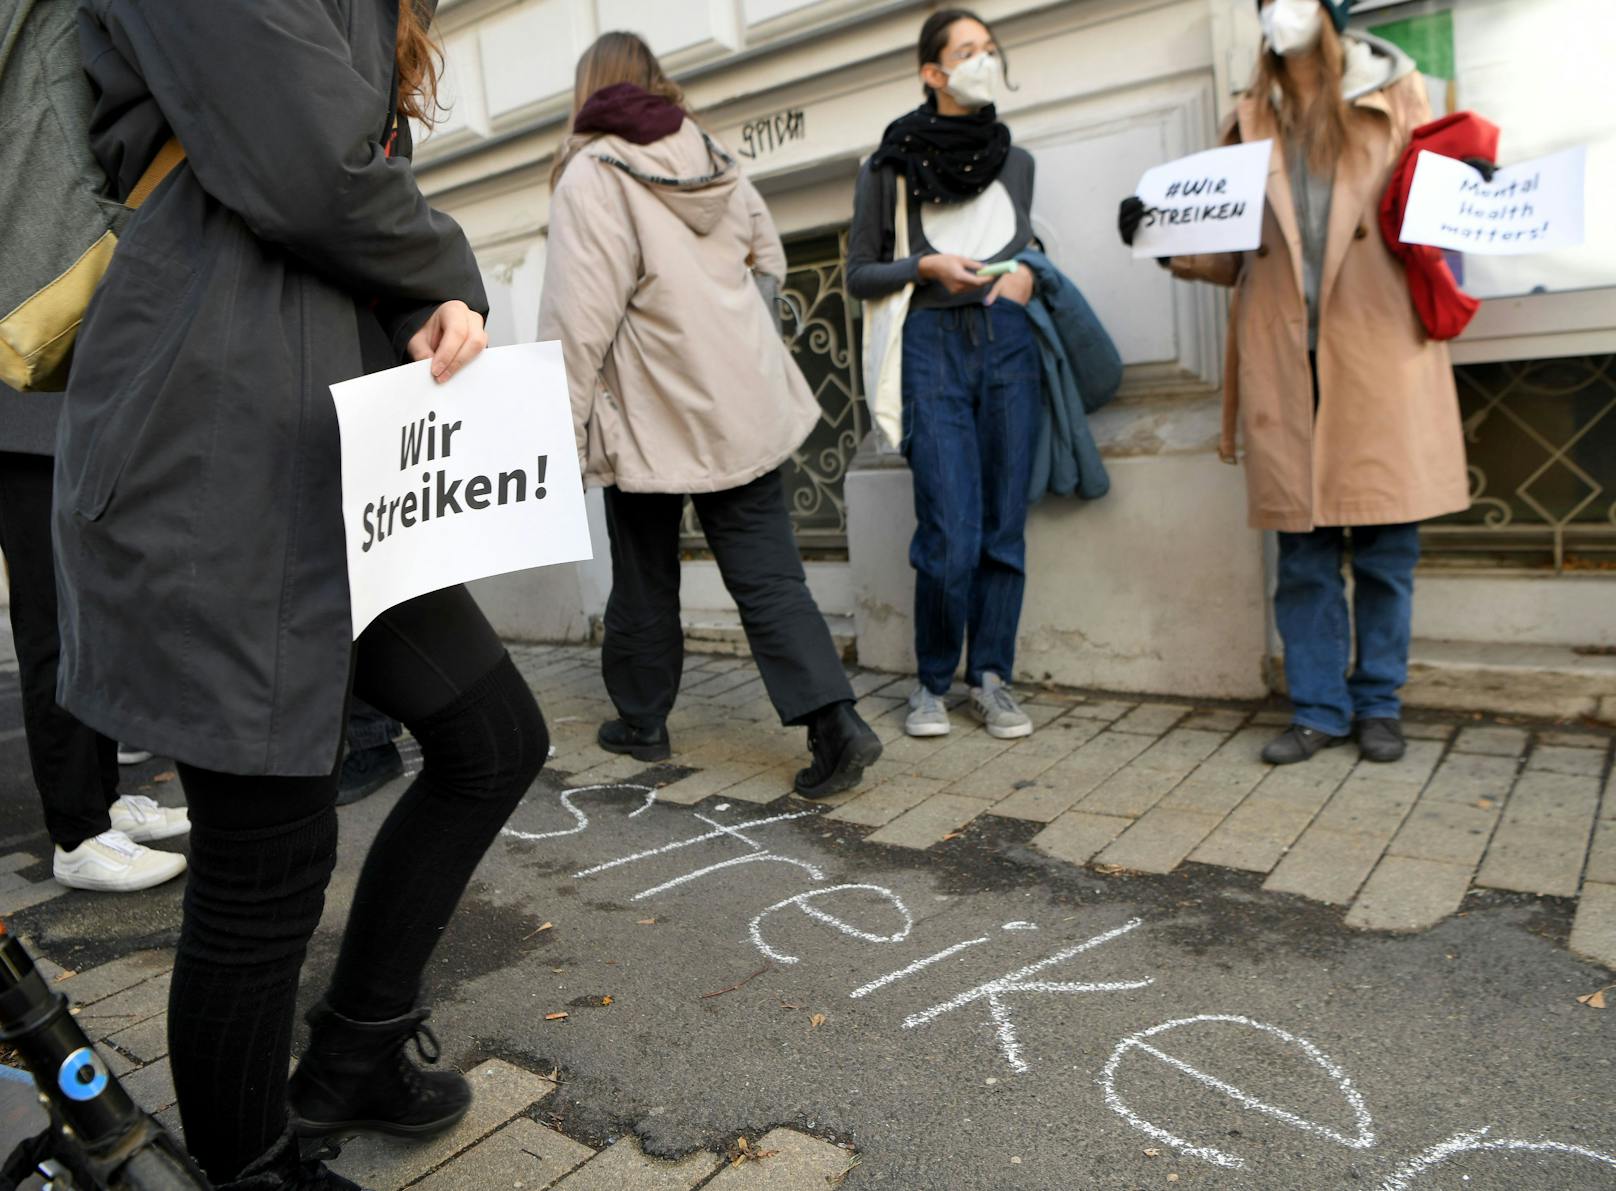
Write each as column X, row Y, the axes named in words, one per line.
column 927, row 714
column 996, row 707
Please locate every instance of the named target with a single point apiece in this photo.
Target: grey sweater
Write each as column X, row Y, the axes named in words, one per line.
column 871, row 271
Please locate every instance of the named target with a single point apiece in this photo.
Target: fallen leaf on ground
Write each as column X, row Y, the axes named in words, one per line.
column 1111, row 870
column 1596, row 1000
column 836, row 1180
column 556, row 1016
column 816, row 1021
column 1153, row 1153
column 166, row 776
column 1172, row 1178
column 540, row 930
column 952, row 835
column 647, row 921
column 1485, row 804
column 785, row 1004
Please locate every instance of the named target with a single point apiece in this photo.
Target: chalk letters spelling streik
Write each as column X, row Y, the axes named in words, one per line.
column 439, row 496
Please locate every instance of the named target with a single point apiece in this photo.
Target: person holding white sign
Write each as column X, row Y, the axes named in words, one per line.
column 682, row 387
column 1349, row 413
column 204, row 594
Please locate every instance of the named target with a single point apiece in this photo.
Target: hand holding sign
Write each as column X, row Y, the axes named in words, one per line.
column 444, row 483
column 1536, row 206
column 1207, row 202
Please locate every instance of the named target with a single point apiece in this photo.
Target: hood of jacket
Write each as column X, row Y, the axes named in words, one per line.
column 692, row 175
column 1372, row 63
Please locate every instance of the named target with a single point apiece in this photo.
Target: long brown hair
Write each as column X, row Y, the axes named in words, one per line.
column 420, row 66
column 1325, row 124
column 614, row 58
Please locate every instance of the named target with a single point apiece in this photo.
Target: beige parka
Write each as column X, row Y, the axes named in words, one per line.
column 1386, row 446
column 678, row 378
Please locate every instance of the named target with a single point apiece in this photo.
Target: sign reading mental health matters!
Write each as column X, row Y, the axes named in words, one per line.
column 1206, row 202
column 446, row 483
column 1536, row 206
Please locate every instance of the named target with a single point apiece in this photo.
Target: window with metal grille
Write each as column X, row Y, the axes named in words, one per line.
column 822, row 327
column 1542, row 441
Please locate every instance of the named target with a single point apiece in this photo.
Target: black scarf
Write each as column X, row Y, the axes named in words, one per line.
column 947, row 159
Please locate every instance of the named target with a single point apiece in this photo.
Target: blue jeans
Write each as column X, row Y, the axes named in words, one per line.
column 971, row 397
column 1310, row 607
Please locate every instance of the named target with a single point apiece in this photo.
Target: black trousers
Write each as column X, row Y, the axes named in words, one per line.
column 75, row 768
column 263, row 849
column 750, row 533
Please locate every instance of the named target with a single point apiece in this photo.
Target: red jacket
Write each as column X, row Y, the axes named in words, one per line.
column 1444, row 308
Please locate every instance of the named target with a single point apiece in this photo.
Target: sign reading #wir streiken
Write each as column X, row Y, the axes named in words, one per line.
column 447, row 483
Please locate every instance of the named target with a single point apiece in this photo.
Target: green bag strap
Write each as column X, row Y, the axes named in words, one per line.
column 14, row 31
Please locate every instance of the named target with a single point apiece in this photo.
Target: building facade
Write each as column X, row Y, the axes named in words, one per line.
column 1160, row 587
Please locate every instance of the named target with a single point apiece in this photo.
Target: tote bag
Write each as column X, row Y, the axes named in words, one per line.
column 883, row 342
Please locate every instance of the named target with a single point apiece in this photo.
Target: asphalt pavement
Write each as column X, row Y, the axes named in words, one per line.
column 977, row 1015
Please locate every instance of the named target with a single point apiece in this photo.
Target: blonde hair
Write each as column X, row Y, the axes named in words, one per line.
column 1325, row 125
column 614, row 58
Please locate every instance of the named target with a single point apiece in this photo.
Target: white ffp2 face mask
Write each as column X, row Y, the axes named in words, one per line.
column 975, row 82
column 1293, row 26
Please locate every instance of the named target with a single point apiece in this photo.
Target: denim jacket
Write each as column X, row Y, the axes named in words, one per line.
column 1082, row 371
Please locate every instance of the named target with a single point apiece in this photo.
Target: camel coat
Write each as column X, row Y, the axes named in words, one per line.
column 1386, row 445
column 679, row 380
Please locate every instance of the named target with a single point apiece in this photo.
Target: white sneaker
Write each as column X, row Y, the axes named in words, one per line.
column 114, row 863
column 928, row 715
column 994, row 705
column 142, row 820
column 128, row 754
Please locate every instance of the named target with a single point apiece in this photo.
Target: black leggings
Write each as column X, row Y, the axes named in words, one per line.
column 263, row 848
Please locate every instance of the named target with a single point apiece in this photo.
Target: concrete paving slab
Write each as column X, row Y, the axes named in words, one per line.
column 1424, row 730
column 147, row 1042
column 1576, row 740
column 1217, row 719
column 1160, row 841
column 624, row 1166
column 1109, row 712
column 1405, row 893
column 928, row 822
column 1180, row 751
column 1414, row 769
column 998, row 778
column 1130, row 792
column 763, row 788
column 523, row 1156
column 882, row 804
column 1468, row 777
column 798, row 1162
column 1450, row 832
column 1326, row 866
column 136, row 1004
column 1593, row 932
column 1602, row 855
column 1579, row 762
column 1542, row 841
column 1363, row 806
column 151, row 1087
column 707, row 782
column 1497, row 742
column 1151, row 719
column 1077, row 838
column 964, row 755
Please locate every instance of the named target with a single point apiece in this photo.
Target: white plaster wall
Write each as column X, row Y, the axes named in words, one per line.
column 1518, row 608
column 1157, row 587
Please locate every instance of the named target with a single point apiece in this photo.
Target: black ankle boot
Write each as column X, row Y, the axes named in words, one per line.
column 843, row 746
column 643, row 744
column 355, row 1075
column 284, row 1168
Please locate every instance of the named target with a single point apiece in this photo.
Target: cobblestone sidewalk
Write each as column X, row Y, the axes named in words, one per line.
column 1149, row 786
column 503, row 1141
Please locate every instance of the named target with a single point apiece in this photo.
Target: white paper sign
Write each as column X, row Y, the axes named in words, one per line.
column 446, row 483
column 1206, row 202
column 1536, row 206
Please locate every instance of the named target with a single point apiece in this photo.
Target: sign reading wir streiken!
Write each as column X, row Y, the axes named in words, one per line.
column 443, row 484
column 439, row 495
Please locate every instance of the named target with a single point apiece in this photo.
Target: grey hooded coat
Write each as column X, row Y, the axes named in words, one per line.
column 198, row 490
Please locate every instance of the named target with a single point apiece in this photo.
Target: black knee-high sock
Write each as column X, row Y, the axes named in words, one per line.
column 252, row 901
column 480, row 754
